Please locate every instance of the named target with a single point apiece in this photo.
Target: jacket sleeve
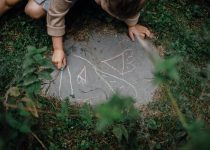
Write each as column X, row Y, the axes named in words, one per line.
column 56, row 16
column 132, row 21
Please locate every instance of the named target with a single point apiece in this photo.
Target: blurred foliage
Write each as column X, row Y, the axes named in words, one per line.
column 20, row 105
column 16, row 33
column 165, row 70
column 198, row 136
column 118, row 109
column 31, row 121
column 119, row 115
column 36, row 69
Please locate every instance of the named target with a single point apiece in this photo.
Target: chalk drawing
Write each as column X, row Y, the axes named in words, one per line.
column 81, row 78
column 120, row 79
column 70, row 81
column 103, row 74
column 122, row 63
column 60, row 84
column 95, row 69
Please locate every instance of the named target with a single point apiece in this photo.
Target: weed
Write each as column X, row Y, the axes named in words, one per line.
column 182, row 27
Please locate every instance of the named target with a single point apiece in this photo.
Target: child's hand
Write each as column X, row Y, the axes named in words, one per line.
column 59, row 59
column 139, row 30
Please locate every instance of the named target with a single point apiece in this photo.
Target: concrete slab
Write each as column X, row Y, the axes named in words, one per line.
column 104, row 64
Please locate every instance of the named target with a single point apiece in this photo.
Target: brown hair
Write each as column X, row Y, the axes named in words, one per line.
column 125, row 8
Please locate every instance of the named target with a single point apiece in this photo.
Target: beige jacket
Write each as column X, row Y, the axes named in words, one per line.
column 56, row 17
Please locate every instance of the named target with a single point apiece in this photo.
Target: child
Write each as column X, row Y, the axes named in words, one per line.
column 35, row 8
column 125, row 10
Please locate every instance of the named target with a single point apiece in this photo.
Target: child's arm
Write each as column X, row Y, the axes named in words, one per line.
column 56, row 28
column 58, row 57
column 137, row 30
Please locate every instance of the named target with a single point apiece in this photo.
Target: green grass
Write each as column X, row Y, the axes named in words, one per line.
column 16, row 33
column 182, row 28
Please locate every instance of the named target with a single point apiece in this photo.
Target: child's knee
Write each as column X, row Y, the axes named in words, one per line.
column 11, row 3
column 34, row 10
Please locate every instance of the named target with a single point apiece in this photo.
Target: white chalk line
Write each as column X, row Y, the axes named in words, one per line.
column 70, row 81
column 133, row 87
column 122, row 72
column 95, row 68
column 123, row 56
column 98, row 70
column 60, row 84
column 80, row 79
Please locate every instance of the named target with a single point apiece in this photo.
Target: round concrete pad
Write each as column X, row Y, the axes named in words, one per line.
column 101, row 66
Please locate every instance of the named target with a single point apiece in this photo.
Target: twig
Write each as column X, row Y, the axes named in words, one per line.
column 36, row 137
column 28, row 109
column 32, row 110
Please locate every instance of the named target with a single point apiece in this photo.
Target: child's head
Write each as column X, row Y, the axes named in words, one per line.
column 122, row 9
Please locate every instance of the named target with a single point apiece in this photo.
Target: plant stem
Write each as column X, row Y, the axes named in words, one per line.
column 176, row 107
column 36, row 137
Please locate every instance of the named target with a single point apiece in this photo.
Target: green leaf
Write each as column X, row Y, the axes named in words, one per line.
column 152, row 124
column 34, row 88
column 24, row 128
column 103, row 124
column 165, row 70
column 125, row 132
column 28, row 71
column 12, row 121
column 198, row 136
column 49, row 70
column 46, row 63
column 119, row 131
column 22, row 112
column 44, row 75
column 28, row 80
column 117, row 109
column 28, row 62
column 31, row 50
column 38, row 57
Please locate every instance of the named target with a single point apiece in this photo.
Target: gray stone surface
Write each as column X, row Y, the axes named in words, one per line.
column 104, row 64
